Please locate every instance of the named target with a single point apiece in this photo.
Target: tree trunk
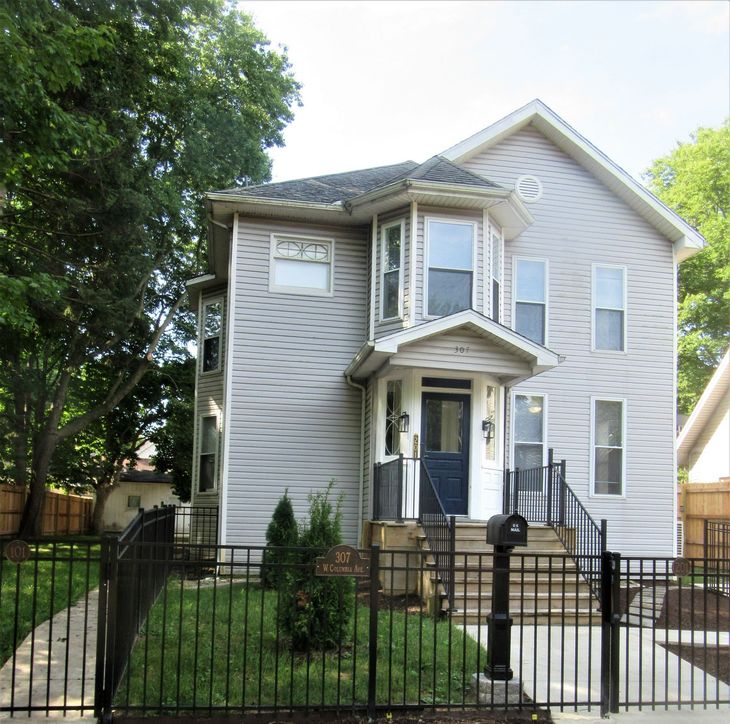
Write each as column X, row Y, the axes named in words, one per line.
column 102, row 495
column 31, row 522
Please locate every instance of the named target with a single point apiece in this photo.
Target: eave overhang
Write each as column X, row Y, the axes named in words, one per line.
column 686, row 240
column 712, row 396
column 375, row 353
column 197, row 285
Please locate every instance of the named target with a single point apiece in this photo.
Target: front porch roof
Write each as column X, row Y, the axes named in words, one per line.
column 375, row 353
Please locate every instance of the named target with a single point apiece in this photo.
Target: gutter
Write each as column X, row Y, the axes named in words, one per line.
column 361, row 467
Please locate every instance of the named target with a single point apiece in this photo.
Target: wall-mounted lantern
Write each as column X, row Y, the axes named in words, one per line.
column 488, row 429
column 403, row 422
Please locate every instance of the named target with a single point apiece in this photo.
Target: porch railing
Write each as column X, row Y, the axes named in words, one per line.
column 542, row 495
column 395, row 493
column 440, row 531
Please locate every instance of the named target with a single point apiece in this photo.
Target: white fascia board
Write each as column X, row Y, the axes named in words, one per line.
column 196, row 285
column 262, row 201
column 713, row 393
column 585, row 153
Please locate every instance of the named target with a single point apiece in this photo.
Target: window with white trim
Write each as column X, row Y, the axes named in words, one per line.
column 530, row 317
column 529, row 431
column 450, row 267
column 608, row 447
column 212, row 318
column 496, row 246
column 490, row 442
column 134, row 501
column 208, row 453
column 301, row 265
column 392, row 265
column 393, row 410
column 609, row 308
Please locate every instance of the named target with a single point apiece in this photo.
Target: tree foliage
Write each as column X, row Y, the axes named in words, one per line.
column 114, row 116
column 694, row 180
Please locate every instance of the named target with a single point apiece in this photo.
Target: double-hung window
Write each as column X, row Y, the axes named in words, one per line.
column 392, row 265
column 301, row 265
column 208, row 453
column 529, row 436
column 609, row 308
column 212, row 316
column 530, row 315
column 609, row 461
column 450, row 267
column 495, row 240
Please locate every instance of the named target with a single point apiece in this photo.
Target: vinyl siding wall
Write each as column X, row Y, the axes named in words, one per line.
column 209, row 398
column 579, row 222
column 294, row 421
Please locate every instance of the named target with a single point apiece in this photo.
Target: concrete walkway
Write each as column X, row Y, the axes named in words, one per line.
column 55, row 666
column 555, row 664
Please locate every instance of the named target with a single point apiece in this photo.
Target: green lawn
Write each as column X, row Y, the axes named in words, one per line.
column 225, row 643
column 56, row 574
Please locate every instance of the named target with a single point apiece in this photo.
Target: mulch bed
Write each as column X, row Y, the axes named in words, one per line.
column 695, row 608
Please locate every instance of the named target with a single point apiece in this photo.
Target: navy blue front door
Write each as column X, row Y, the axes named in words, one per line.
column 445, row 447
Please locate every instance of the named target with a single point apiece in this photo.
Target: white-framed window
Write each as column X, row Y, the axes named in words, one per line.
column 391, row 278
column 497, row 244
column 490, row 441
column 529, row 431
column 208, row 454
column 393, row 410
column 211, row 341
column 608, row 446
column 530, row 313
column 609, row 308
column 302, row 265
column 450, row 266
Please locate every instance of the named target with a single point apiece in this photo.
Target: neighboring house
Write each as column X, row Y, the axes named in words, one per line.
column 514, row 294
column 140, row 486
column 703, row 446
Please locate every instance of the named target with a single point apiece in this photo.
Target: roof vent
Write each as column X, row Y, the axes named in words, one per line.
column 529, row 188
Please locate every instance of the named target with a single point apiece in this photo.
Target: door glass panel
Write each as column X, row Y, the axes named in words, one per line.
column 443, row 425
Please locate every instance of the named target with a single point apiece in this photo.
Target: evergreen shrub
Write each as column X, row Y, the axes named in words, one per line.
column 282, row 532
column 316, row 610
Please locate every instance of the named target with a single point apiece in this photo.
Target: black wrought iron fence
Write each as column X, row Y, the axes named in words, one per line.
column 48, row 605
column 716, row 553
column 395, row 489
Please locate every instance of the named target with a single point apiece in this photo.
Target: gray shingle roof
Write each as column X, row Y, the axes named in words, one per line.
column 345, row 186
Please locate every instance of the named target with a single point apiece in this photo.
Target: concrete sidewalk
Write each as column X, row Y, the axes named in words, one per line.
column 665, row 716
column 55, row 665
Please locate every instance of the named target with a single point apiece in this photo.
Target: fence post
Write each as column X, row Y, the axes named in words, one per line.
column 550, row 476
column 452, row 560
column 604, row 535
column 399, row 514
column 106, row 625
column 505, row 491
column 606, row 616
column 615, row 634
column 516, row 494
column 376, row 491
column 373, row 632
column 563, row 493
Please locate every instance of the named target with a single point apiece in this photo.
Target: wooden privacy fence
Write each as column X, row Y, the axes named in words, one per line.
column 62, row 513
column 699, row 502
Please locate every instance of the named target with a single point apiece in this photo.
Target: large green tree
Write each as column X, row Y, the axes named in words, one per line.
column 114, row 116
column 694, row 180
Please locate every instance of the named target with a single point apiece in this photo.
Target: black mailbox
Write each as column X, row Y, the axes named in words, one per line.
column 507, row 530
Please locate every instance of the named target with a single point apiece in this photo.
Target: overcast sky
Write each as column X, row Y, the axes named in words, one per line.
column 384, row 82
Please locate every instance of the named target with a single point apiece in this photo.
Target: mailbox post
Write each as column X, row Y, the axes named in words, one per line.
column 504, row 532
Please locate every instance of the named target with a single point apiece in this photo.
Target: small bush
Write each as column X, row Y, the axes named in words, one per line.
column 282, row 532
column 318, row 609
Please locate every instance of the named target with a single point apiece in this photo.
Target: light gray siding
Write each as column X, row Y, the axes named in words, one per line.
column 579, row 222
column 294, row 421
column 209, row 398
column 478, row 356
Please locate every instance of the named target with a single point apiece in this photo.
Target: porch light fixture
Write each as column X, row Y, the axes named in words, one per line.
column 488, row 429
column 403, row 422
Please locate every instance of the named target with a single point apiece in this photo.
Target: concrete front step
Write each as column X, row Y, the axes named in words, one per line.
column 529, row 587
column 554, row 617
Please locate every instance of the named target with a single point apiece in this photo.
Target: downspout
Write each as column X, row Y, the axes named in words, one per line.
column 361, row 483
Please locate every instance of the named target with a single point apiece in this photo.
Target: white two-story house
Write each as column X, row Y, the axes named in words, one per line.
column 511, row 295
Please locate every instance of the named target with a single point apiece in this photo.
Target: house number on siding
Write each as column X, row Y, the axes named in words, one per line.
column 459, row 349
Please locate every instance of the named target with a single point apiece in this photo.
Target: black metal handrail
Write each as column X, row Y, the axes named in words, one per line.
column 440, row 531
column 542, row 495
column 395, row 495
